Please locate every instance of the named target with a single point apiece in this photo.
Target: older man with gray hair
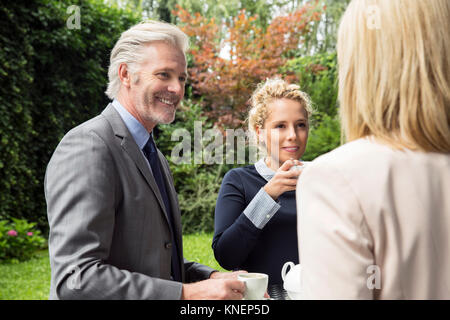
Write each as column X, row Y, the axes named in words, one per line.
column 115, row 230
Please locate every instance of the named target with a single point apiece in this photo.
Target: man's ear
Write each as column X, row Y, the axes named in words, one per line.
column 124, row 75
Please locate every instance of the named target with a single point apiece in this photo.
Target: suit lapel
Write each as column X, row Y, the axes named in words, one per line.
column 130, row 147
column 172, row 192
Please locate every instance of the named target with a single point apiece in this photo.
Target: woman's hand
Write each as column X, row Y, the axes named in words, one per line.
column 283, row 180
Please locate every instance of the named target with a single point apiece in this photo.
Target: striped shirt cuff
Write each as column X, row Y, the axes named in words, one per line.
column 261, row 209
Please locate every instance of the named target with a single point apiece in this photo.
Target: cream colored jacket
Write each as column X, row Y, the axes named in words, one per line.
column 374, row 223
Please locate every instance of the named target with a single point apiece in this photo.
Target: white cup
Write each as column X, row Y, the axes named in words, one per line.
column 255, row 285
column 298, row 167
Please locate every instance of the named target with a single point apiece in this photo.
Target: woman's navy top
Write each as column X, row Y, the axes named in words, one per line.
column 252, row 231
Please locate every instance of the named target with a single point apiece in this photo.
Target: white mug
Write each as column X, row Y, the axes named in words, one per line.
column 284, row 271
column 255, row 285
column 300, row 167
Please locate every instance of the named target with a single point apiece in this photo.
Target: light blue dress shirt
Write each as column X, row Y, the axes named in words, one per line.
column 137, row 130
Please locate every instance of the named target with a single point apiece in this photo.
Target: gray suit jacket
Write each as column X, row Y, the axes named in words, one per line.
column 109, row 231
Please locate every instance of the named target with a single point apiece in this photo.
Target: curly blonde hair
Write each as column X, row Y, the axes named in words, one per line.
column 265, row 93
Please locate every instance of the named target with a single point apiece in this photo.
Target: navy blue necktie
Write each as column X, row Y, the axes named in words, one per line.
column 152, row 155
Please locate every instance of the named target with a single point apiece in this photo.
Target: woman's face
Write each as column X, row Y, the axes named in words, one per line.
column 285, row 131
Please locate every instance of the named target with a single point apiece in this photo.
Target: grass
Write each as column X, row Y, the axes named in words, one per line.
column 30, row 280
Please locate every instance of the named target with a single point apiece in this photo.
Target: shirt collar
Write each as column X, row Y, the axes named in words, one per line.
column 137, row 130
column 264, row 170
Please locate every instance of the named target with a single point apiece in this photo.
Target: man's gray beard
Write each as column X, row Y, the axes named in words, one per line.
column 160, row 120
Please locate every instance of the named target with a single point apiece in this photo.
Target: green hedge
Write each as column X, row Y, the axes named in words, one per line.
column 318, row 77
column 52, row 79
column 197, row 185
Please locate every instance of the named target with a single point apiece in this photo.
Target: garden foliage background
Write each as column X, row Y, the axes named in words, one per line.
column 53, row 78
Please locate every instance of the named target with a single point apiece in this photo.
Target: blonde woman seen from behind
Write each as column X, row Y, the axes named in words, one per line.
column 378, row 227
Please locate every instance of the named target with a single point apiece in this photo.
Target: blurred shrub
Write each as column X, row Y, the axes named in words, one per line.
column 317, row 76
column 197, row 183
column 255, row 53
column 324, row 136
column 19, row 240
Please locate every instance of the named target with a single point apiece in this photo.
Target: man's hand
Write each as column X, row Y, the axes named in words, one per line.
column 214, row 289
column 221, row 286
column 226, row 275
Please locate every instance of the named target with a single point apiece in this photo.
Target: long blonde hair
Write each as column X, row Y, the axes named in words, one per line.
column 394, row 72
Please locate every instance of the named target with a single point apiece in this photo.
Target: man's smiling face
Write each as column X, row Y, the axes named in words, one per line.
column 160, row 83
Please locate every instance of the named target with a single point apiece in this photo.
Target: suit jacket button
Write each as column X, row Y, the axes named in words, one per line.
column 168, row 245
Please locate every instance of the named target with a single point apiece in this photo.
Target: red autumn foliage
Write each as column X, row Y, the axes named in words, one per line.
column 254, row 54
